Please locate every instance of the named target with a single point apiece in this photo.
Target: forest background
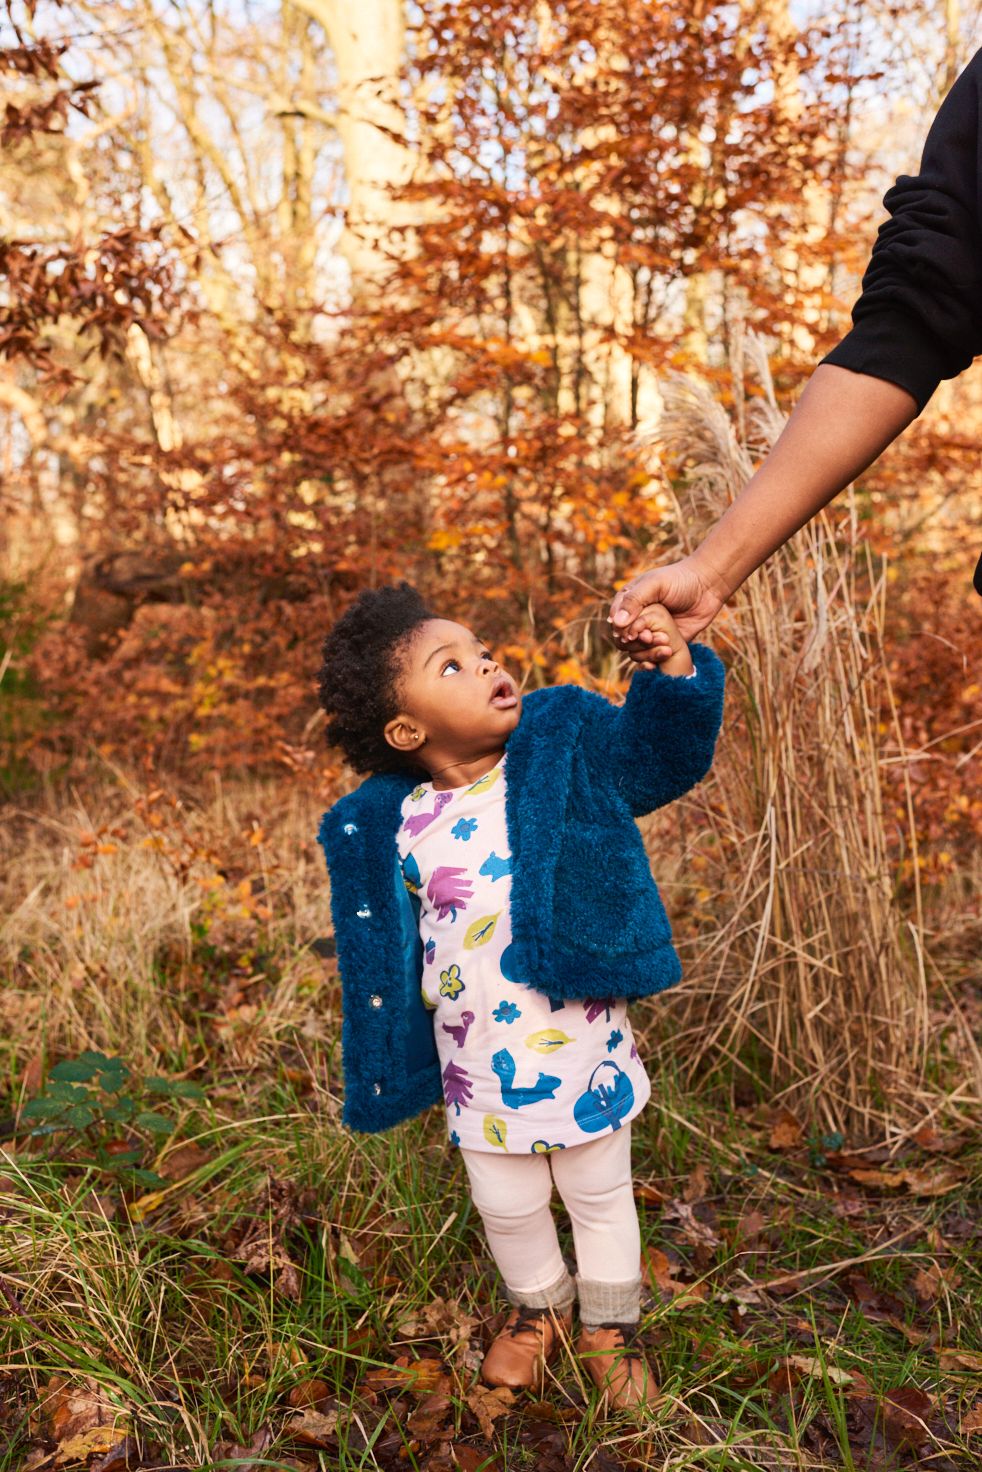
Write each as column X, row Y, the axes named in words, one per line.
column 505, row 298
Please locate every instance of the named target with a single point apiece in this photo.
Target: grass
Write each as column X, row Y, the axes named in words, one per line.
column 292, row 1295
column 198, row 1337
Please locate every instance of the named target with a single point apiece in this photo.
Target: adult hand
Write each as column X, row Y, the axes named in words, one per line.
column 684, row 588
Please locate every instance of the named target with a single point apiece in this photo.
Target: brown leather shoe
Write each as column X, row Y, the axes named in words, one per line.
column 521, row 1350
column 617, row 1366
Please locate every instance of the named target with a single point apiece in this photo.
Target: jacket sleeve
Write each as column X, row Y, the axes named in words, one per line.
column 919, row 318
column 660, row 742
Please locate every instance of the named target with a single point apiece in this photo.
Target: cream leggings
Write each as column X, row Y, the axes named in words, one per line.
column 513, row 1195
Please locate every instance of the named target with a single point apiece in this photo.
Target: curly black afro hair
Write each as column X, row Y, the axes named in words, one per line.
column 362, row 659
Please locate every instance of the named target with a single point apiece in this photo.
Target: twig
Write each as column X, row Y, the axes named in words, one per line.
column 828, row 1268
column 16, row 1307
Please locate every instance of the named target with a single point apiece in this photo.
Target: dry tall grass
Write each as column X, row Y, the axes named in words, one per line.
column 813, row 963
column 104, row 897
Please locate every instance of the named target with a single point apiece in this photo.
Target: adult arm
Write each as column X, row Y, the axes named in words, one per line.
column 918, row 320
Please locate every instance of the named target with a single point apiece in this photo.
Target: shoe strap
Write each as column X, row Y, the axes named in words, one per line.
column 529, row 1317
column 627, row 1334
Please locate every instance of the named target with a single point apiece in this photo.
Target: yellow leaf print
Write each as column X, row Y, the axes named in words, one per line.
column 549, row 1040
column 495, row 1132
column 488, row 780
column 479, row 932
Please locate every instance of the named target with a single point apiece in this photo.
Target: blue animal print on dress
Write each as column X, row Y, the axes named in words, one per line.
column 495, row 867
column 605, row 1103
column 545, row 1086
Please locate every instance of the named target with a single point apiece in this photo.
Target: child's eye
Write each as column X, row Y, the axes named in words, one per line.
column 448, row 664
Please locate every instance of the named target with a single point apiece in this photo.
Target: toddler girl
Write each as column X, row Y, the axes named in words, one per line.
column 494, row 911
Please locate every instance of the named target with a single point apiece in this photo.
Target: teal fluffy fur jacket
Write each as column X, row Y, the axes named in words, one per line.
column 587, row 918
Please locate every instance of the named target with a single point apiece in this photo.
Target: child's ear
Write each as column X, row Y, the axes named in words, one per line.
column 404, row 734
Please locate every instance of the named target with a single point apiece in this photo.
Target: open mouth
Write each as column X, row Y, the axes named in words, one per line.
column 503, row 695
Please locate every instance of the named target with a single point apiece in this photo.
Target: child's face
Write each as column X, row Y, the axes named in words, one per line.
column 453, row 692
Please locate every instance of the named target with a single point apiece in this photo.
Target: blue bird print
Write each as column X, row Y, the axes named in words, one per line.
column 545, row 1086
column 495, row 866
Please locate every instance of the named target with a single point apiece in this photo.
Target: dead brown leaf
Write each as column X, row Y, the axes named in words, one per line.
column 183, row 1161
column 308, row 1393
column 442, row 1319
column 78, row 1412
column 749, row 1228
column 428, row 1421
column 929, row 1281
column 86, row 1444
column 960, row 1359
column 474, row 1458
column 421, row 1377
column 694, row 1231
column 912, row 1335
column 973, row 1421
column 697, row 1186
column 313, row 1428
column 876, row 1303
column 786, row 1133
column 125, row 1454
column 659, row 1274
column 904, row 1412
column 245, row 1455
column 929, row 1138
column 488, row 1404
column 812, row 1368
column 926, row 1181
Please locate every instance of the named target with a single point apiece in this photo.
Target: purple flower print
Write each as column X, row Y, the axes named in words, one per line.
column 457, row 1087
column 458, row 1031
column 447, row 892
column 415, row 825
column 463, row 828
column 595, row 1005
column 634, row 1052
column 505, row 1012
column 616, row 1037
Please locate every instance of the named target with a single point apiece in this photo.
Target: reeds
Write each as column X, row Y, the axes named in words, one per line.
column 813, row 968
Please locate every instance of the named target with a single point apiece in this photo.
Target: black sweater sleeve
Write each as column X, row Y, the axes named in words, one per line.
column 919, row 318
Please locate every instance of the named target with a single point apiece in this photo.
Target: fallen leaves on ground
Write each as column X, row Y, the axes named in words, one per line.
column 699, row 1233
column 313, row 1428
column 786, row 1133
column 420, row 1377
column 660, row 1276
column 438, row 1319
column 488, row 1403
column 960, row 1359
column 473, row 1458
column 919, row 1180
column 261, row 1248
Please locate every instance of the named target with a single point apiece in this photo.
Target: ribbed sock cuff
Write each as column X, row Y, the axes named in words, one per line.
column 558, row 1295
column 608, row 1303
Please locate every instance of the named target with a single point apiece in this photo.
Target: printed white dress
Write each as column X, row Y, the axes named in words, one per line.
column 521, row 1072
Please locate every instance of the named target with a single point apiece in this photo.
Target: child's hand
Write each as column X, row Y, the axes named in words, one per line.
column 666, row 647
